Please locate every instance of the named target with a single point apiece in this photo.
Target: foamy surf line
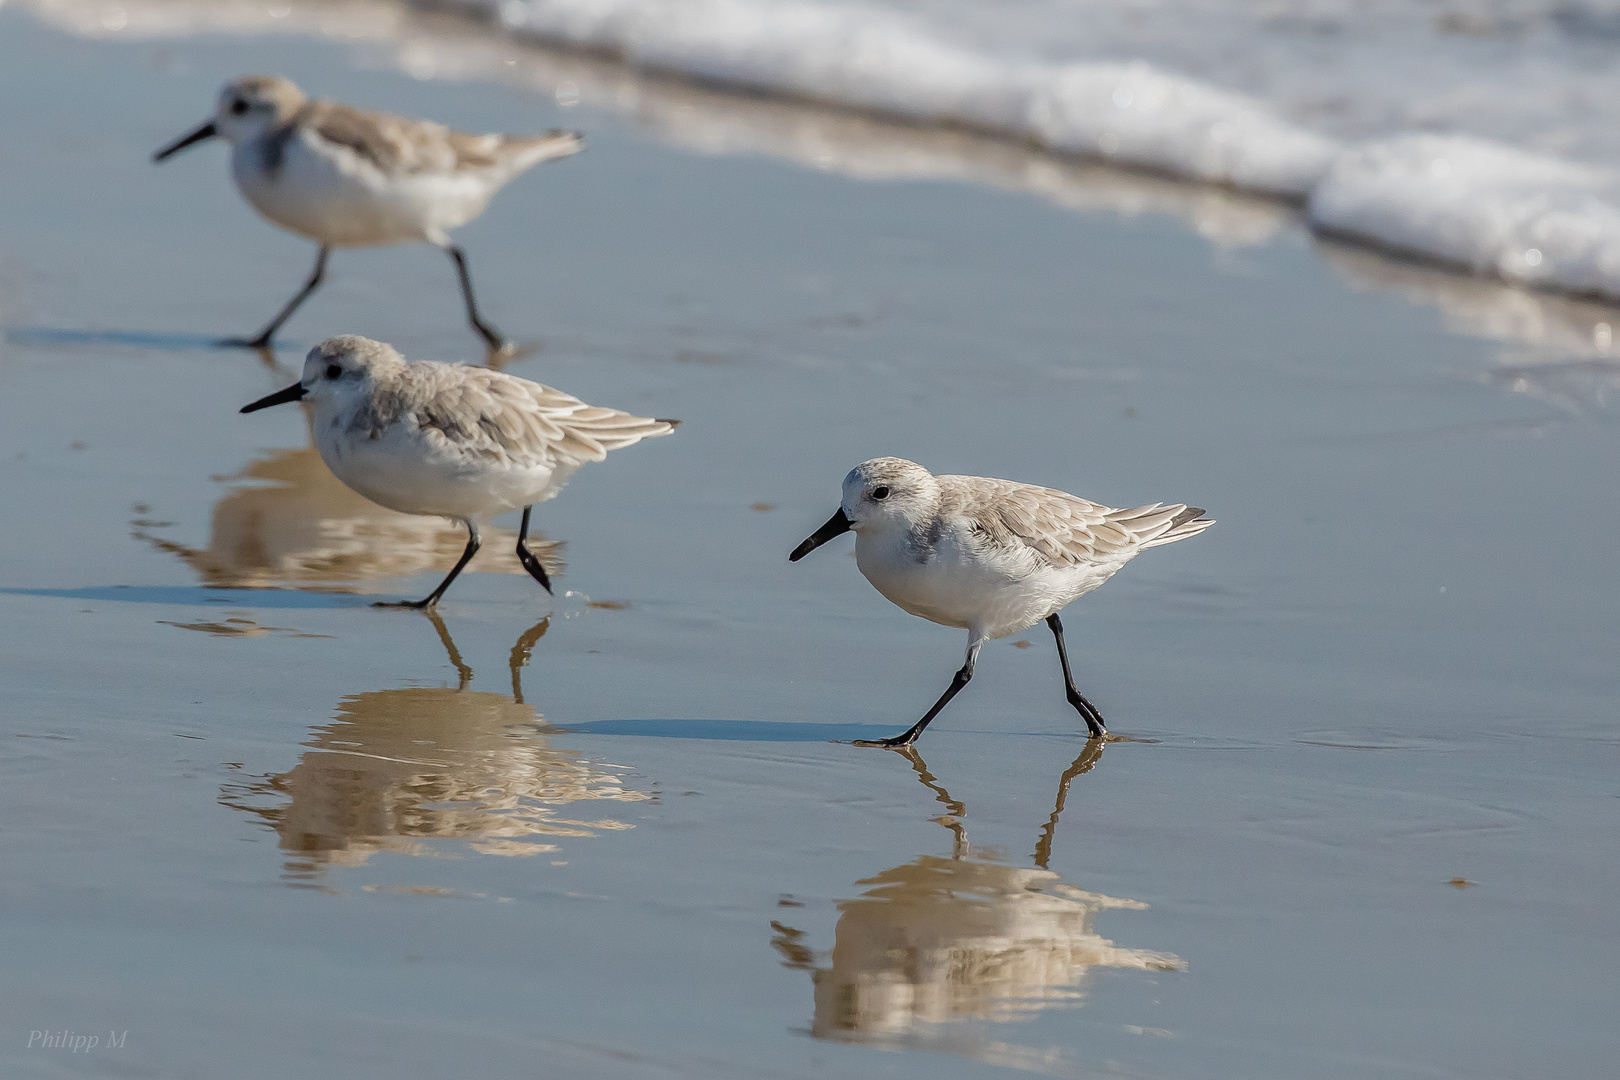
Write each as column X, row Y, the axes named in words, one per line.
column 1468, row 202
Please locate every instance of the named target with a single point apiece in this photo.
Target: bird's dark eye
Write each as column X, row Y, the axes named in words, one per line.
column 238, row 107
column 880, row 492
column 334, row 371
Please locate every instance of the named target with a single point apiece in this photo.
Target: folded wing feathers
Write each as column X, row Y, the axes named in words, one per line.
column 1067, row 529
column 487, row 412
column 399, row 144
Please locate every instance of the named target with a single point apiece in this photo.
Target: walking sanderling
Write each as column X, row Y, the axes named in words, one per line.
column 991, row 556
column 459, row 442
column 348, row 177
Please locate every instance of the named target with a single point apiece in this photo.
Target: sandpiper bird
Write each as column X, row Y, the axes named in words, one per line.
column 991, row 556
column 459, row 442
column 348, row 177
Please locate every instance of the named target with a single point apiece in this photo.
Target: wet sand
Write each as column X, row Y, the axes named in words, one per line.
column 269, row 831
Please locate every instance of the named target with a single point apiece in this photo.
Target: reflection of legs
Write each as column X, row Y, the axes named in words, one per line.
column 263, row 339
column 463, row 673
column 520, row 654
column 490, row 335
column 1087, row 711
column 1083, row 764
column 530, row 562
column 959, row 681
column 473, row 543
column 951, row 820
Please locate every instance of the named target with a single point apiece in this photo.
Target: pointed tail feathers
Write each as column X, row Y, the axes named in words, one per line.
column 1157, row 524
column 1188, row 521
column 614, row 430
column 525, row 151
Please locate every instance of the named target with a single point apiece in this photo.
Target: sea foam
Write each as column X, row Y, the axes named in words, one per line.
column 1487, row 206
column 1276, row 108
column 887, row 62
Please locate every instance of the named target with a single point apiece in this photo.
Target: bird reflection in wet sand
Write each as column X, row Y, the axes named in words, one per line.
column 287, row 521
column 425, row 771
column 937, row 947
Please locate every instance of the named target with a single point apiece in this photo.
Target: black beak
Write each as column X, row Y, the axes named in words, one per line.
column 280, row 397
column 207, row 131
column 837, row 525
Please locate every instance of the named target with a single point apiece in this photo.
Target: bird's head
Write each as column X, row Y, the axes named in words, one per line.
column 247, row 108
column 879, row 494
column 337, row 371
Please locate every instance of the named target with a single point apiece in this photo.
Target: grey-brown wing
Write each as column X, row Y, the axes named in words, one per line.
column 1062, row 529
column 399, row 144
column 1067, row 530
column 489, row 412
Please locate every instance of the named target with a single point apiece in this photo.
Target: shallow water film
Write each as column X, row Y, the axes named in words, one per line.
column 1357, row 817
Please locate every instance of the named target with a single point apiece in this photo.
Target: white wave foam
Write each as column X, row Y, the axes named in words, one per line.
column 1466, row 201
column 1491, row 208
column 884, row 61
column 1137, row 114
column 1483, row 205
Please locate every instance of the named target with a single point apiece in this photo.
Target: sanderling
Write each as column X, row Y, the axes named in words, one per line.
column 348, row 177
column 458, row 442
column 991, row 556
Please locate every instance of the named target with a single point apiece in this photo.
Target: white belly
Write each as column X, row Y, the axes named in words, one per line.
column 960, row 587
column 334, row 196
column 405, row 471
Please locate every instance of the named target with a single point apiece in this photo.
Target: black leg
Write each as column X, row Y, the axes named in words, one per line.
column 530, row 562
column 491, row 336
column 474, row 541
column 262, row 341
column 960, row 680
column 1087, row 711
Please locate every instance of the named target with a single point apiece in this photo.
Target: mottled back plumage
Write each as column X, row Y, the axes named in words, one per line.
column 1064, row 530
column 498, row 417
column 400, row 145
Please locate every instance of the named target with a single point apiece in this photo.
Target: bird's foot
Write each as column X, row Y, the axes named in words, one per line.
column 261, row 342
column 535, row 569
column 898, row 742
column 413, row 605
column 1088, row 712
column 497, row 356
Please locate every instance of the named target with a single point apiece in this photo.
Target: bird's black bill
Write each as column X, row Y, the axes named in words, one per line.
column 280, row 397
column 837, row 525
column 207, row 131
